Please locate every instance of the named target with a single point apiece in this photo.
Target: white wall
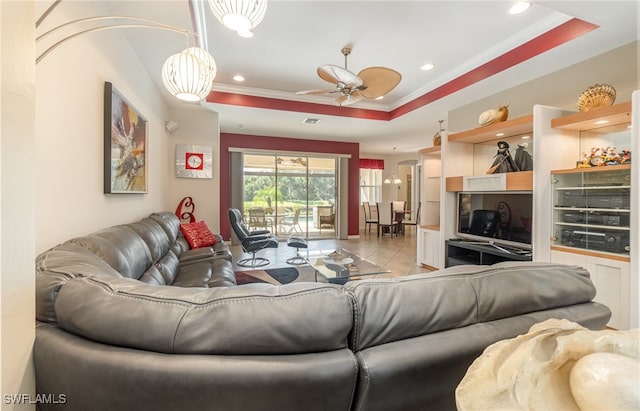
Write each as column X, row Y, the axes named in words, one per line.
column 69, row 132
column 51, row 158
column 17, row 165
column 200, row 127
column 618, row 67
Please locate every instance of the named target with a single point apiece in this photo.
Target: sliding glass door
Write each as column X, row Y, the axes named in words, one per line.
column 290, row 194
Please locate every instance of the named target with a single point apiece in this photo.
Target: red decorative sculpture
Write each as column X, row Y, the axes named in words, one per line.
column 186, row 215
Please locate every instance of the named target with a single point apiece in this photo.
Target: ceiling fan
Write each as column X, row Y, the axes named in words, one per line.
column 370, row 83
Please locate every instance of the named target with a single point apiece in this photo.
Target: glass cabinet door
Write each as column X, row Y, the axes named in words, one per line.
column 591, row 208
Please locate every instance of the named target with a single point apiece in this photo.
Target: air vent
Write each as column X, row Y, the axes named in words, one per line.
column 310, row 120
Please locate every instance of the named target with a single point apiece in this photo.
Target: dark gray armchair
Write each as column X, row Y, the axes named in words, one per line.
column 252, row 241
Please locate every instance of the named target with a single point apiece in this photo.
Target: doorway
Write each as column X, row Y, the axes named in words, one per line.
column 290, row 194
column 410, row 187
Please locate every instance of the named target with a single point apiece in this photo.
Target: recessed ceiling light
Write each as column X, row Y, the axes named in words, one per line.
column 379, row 98
column 499, row 134
column 238, row 77
column 427, row 67
column 519, row 7
column 526, row 137
column 601, row 122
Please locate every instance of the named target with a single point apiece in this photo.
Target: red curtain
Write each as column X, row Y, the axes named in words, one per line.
column 372, row 163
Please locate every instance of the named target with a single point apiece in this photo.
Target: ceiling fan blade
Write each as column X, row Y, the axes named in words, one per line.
column 347, row 99
column 316, row 92
column 336, row 74
column 379, row 81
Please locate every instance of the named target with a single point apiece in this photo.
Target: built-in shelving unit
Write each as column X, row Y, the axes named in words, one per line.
column 561, row 137
column 587, row 225
column 522, row 180
column 591, row 210
column 516, row 181
column 612, row 116
column 431, row 150
column 429, row 228
column 462, row 252
column 520, row 125
column 466, row 157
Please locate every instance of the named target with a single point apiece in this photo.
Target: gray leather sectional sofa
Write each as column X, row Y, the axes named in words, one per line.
column 129, row 318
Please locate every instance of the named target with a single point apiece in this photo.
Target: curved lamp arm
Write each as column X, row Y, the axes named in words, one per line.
column 147, row 23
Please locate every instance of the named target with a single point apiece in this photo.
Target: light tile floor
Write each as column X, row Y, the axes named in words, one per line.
column 397, row 254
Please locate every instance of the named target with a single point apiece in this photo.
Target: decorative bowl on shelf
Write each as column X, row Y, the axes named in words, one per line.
column 596, row 96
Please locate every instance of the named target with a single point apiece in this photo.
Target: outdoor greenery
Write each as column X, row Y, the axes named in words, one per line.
column 260, row 191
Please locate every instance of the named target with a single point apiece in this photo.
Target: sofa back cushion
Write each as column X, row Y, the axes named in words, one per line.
column 170, row 223
column 254, row 319
column 153, row 235
column 388, row 310
column 121, row 248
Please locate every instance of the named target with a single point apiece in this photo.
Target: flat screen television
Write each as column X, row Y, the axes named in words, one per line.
column 496, row 218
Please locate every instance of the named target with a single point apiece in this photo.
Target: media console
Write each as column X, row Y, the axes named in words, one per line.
column 461, row 252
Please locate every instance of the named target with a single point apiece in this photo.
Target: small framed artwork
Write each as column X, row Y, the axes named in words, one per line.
column 194, row 161
column 125, row 145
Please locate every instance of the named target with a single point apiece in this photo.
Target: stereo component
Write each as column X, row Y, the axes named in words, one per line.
column 614, row 242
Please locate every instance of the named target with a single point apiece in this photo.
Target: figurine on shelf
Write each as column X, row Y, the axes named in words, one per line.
column 503, row 162
column 493, row 116
column 523, row 158
column 585, row 162
column 607, row 156
column 611, row 156
column 597, row 157
column 626, row 157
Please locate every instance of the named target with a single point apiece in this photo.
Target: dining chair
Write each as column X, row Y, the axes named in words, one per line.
column 386, row 219
column 415, row 222
column 369, row 217
column 399, row 206
column 399, row 211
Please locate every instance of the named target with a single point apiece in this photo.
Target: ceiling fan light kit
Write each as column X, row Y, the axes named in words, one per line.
column 370, row 83
column 241, row 16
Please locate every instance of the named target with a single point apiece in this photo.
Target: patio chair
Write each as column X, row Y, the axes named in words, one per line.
column 252, row 241
column 293, row 225
column 258, row 219
column 327, row 220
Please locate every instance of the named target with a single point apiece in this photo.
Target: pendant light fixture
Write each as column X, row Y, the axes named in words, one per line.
column 189, row 75
column 394, row 180
column 241, row 16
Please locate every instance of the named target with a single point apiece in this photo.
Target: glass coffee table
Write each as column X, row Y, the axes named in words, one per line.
column 340, row 266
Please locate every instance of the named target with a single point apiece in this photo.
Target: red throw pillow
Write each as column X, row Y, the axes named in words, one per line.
column 198, row 234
